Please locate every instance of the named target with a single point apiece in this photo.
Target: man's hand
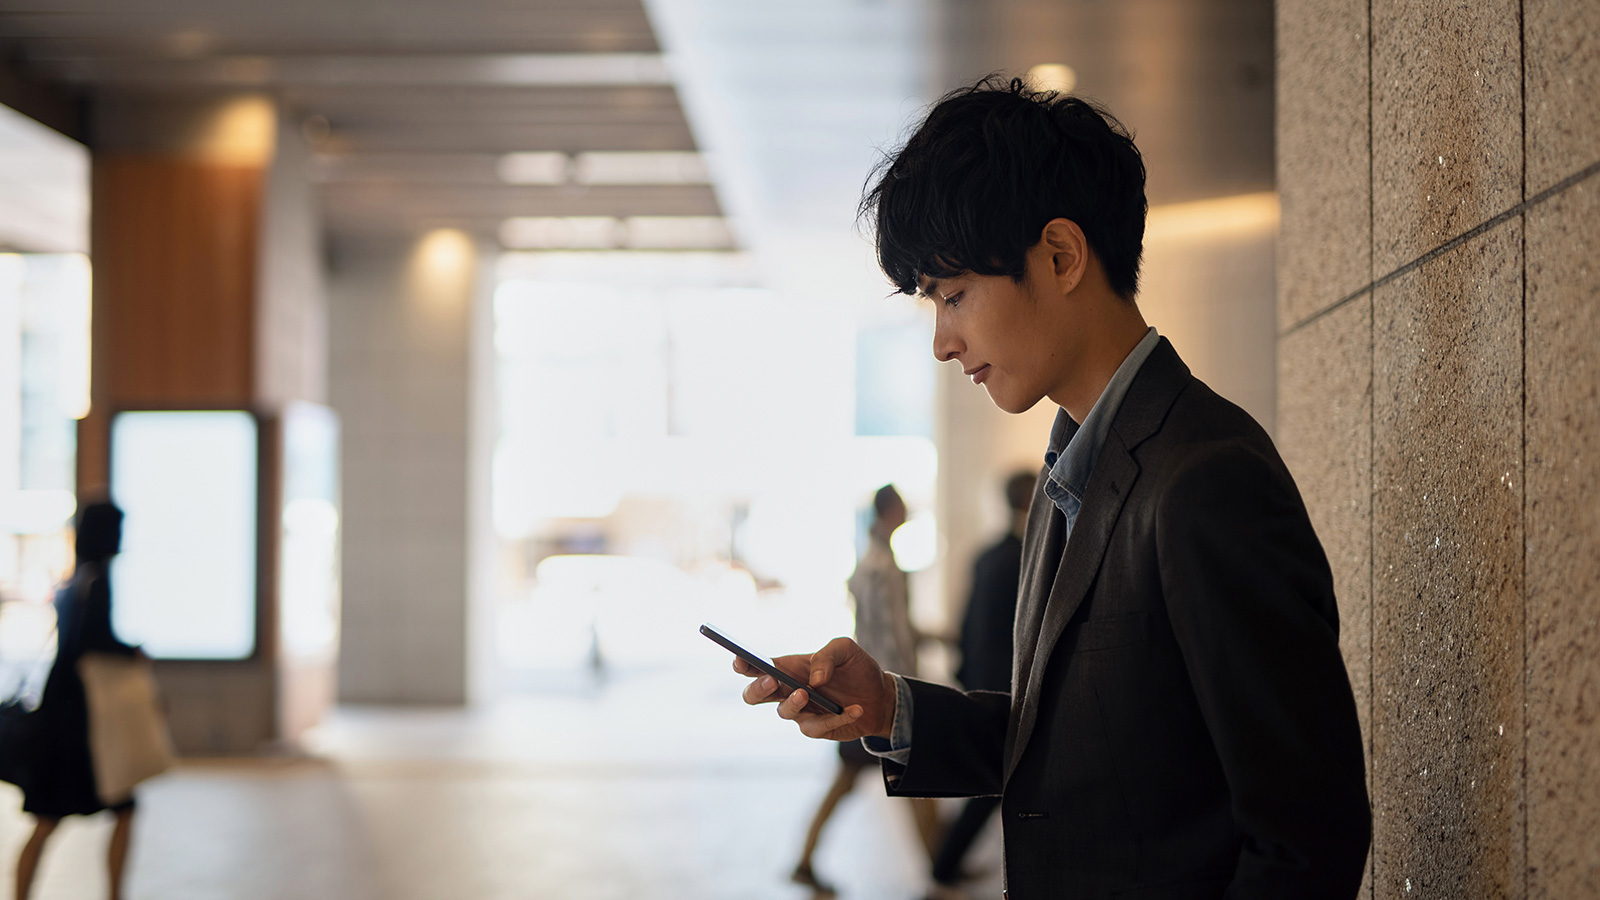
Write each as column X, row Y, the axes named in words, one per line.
column 848, row 675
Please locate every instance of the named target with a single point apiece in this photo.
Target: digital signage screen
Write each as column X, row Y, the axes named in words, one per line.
column 184, row 585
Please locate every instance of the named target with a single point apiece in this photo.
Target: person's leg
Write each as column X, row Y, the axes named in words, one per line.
column 844, row 780
column 925, row 812
column 28, row 860
column 117, row 851
column 958, row 840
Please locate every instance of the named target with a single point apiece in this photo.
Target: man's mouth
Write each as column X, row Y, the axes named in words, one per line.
column 979, row 374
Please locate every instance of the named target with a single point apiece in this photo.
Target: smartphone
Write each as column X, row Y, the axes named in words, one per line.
column 767, row 667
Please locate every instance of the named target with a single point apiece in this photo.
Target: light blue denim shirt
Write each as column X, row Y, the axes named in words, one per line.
column 1072, row 453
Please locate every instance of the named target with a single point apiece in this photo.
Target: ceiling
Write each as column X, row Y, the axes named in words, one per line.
column 1193, row 79
column 410, row 104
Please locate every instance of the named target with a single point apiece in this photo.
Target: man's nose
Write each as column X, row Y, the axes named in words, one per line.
column 946, row 344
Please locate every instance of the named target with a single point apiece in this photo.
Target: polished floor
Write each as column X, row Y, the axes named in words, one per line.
column 653, row 784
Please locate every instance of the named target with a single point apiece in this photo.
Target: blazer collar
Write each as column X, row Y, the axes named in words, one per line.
column 1051, row 594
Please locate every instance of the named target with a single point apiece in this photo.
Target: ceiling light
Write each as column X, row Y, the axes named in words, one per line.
column 679, row 233
column 190, row 44
column 561, row 233
column 1053, row 77
column 641, row 168
column 1217, row 217
column 535, row 168
column 525, row 69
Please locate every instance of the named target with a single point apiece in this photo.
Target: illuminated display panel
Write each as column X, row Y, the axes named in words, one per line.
column 184, row 586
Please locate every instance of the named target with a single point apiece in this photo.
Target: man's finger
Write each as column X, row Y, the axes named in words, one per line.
column 824, row 726
column 793, row 705
column 762, row 690
column 821, row 668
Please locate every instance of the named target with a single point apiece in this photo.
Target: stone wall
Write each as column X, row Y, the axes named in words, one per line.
column 1439, row 403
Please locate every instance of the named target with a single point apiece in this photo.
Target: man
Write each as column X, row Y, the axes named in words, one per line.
column 1180, row 724
column 985, row 666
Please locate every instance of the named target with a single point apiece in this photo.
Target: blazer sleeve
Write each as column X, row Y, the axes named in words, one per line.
column 957, row 743
column 1250, row 598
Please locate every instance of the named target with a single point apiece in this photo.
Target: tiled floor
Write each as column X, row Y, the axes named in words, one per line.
column 657, row 785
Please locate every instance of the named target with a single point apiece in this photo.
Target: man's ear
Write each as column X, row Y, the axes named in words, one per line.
column 1069, row 252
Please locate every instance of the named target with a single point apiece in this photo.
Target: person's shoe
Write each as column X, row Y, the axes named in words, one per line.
column 803, row 875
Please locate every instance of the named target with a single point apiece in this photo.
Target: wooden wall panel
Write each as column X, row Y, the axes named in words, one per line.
column 175, row 244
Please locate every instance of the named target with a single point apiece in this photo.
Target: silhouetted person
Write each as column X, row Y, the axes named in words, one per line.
column 986, row 663
column 62, row 782
column 883, row 623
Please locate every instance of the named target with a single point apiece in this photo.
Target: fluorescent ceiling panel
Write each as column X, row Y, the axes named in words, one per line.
column 516, row 69
column 535, row 168
column 562, row 233
column 679, row 233
column 608, row 233
column 641, row 168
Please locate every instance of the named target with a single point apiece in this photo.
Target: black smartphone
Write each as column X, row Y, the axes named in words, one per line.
column 767, row 667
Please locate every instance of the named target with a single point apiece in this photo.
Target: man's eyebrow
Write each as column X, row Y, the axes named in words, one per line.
column 930, row 290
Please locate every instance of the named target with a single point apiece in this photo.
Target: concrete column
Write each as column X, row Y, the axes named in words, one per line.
column 401, row 339
column 206, row 295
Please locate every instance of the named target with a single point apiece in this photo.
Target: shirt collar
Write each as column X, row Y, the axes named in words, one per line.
column 1074, row 448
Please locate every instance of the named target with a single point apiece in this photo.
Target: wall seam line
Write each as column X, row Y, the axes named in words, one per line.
column 1372, row 484
column 1522, row 51
column 1490, row 224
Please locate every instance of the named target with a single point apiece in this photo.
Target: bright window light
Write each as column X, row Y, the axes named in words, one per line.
column 916, row 543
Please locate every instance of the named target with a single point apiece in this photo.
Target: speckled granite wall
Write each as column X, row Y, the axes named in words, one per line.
column 1439, row 403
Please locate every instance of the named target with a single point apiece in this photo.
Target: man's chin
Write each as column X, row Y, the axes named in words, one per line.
column 1010, row 403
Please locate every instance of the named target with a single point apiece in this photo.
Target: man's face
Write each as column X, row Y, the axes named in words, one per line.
column 1017, row 340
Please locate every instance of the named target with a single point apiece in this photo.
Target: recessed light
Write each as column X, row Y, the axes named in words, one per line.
column 1052, row 77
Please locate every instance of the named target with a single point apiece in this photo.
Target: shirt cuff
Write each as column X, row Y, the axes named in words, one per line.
column 897, row 749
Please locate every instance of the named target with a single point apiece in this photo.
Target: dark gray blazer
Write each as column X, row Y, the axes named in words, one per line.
column 1180, row 725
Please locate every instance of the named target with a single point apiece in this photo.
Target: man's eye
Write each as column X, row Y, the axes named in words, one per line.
column 952, row 299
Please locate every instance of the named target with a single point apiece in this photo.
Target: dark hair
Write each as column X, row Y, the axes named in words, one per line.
column 1019, row 491
column 99, row 531
column 885, row 499
column 973, row 188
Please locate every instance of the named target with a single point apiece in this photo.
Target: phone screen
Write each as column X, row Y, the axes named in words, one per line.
column 766, row 666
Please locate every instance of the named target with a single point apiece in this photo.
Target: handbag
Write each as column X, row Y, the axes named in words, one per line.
column 21, row 726
column 128, row 738
column 19, row 740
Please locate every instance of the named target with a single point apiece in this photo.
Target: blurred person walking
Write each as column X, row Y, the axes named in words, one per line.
column 61, row 780
column 883, row 624
column 985, row 666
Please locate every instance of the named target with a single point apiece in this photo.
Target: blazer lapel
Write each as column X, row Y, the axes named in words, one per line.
column 1041, row 616
column 1113, row 477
